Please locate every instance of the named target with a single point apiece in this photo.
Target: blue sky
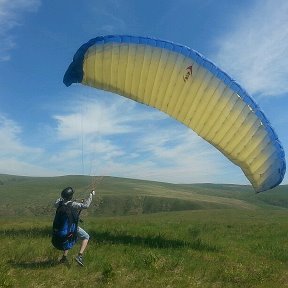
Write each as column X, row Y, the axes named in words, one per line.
column 47, row 129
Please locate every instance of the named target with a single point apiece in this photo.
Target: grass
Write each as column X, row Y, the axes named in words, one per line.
column 205, row 248
column 146, row 234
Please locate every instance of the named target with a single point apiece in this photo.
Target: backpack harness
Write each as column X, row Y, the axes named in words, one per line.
column 65, row 226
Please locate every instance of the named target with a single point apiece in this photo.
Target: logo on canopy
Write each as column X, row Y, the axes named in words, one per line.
column 188, row 73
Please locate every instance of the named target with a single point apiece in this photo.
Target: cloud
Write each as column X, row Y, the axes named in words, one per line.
column 16, row 157
column 96, row 128
column 178, row 155
column 255, row 50
column 120, row 138
column 11, row 13
column 174, row 165
column 109, row 17
column 10, row 143
column 94, row 118
column 16, row 166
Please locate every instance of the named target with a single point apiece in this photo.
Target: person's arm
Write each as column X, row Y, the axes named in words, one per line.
column 86, row 203
column 57, row 202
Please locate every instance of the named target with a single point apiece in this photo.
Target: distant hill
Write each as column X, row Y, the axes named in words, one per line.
column 29, row 196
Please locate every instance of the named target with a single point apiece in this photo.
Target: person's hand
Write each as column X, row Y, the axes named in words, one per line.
column 93, row 193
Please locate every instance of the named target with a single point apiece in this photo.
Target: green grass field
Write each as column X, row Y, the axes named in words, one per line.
column 146, row 234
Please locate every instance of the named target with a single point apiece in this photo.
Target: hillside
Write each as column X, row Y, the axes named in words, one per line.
column 30, row 196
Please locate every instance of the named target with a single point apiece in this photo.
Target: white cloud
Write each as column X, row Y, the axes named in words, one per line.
column 145, row 144
column 178, row 155
column 11, row 13
column 255, row 50
column 184, row 168
column 16, row 157
column 88, row 126
column 120, row 138
column 107, row 17
column 95, row 118
column 10, row 142
column 16, row 166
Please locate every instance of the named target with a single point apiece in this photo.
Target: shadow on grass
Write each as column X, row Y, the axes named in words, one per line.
column 118, row 237
column 36, row 264
column 151, row 241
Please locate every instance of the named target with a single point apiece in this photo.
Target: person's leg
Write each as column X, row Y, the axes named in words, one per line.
column 64, row 256
column 83, row 246
column 84, row 236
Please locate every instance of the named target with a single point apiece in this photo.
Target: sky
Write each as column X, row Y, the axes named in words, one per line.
column 47, row 129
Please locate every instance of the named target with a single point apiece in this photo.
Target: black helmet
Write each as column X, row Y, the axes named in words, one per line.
column 67, row 193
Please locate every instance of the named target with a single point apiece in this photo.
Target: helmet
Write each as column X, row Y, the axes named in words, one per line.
column 67, row 193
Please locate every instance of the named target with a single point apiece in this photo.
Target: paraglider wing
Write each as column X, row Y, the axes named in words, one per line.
column 182, row 83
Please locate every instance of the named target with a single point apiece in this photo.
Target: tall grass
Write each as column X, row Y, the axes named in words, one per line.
column 211, row 248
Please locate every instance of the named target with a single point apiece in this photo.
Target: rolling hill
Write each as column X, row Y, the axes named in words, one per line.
column 29, row 196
